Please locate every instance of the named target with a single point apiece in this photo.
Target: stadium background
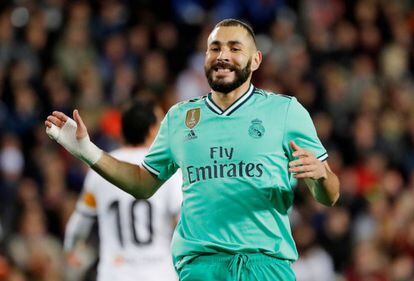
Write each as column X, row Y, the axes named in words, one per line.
column 349, row 62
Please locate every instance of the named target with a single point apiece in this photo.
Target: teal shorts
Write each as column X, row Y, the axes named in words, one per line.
column 239, row 267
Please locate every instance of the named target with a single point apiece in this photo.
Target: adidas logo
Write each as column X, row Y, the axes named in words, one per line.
column 191, row 135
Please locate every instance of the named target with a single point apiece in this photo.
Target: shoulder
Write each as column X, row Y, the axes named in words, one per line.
column 272, row 95
column 188, row 104
column 179, row 108
column 274, row 98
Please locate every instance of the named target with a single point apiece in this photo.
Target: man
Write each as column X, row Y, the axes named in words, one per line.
column 135, row 234
column 240, row 149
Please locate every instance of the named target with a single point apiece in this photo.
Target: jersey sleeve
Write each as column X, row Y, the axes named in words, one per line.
column 77, row 229
column 81, row 221
column 300, row 128
column 159, row 160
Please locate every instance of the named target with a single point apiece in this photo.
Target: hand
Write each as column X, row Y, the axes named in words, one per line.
column 307, row 166
column 73, row 136
column 59, row 119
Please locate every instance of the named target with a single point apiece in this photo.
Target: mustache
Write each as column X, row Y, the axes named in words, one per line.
column 223, row 65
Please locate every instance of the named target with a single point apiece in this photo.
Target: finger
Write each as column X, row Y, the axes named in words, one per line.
column 60, row 115
column 301, row 161
column 81, row 130
column 56, row 121
column 301, row 153
column 297, row 162
column 294, row 146
column 78, row 119
column 48, row 124
column 302, row 169
column 53, row 131
column 303, row 175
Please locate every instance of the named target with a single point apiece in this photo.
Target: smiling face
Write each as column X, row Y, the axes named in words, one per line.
column 231, row 58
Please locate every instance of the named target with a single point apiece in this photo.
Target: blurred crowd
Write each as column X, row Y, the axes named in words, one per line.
column 350, row 63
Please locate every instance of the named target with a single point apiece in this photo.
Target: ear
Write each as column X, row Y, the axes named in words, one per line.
column 256, row 61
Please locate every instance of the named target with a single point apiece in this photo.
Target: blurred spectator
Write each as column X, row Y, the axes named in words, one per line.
column 336, row 237
column 59, row 95
column 35, row 251
column 7, row 43
column 115, row 53
column 155, row 75
column 112, row 18
column 74, row 51
column 370, row 263
column 402, row 269
column 314, row 263
column 11, row 170
column 191, row 82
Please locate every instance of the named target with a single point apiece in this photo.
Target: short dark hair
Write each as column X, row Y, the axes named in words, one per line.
column 235, row 22
column 137, row 120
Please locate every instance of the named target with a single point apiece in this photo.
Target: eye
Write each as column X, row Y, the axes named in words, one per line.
column 214, row 49
column 235, row 49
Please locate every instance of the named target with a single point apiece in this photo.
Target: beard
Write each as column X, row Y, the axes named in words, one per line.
column 217, row 84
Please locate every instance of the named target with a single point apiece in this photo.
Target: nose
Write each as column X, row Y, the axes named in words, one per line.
column 224, row 55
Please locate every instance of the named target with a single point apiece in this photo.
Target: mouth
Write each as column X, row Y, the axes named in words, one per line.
column 223, row 69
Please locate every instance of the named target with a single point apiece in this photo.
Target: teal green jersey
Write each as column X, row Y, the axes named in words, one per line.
column 237, row 190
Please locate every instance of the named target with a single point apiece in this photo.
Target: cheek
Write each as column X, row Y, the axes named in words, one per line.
column 209, row 59
column 208, row 63
column 240, row 61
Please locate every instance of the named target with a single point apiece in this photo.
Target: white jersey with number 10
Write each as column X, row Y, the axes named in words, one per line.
column 135, row 235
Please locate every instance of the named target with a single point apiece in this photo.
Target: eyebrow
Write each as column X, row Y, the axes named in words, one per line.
column 232, row 42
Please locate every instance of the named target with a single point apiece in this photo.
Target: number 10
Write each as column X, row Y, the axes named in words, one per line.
column 133, row 219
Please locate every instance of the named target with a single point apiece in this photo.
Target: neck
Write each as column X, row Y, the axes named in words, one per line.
column 147, row 143
column 132, row 146
column 225, row 100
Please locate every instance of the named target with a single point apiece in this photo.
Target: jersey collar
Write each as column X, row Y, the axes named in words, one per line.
column 229, row 110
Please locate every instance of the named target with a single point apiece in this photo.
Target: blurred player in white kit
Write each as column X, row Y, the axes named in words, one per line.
column 134, row 234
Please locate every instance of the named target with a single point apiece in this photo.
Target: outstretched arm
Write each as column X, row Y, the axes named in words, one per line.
column 131, row 178
column 318, row 176
column 73, row 136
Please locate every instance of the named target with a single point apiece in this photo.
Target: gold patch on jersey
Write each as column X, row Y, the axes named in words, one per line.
column 193, row 117
column 89, row 199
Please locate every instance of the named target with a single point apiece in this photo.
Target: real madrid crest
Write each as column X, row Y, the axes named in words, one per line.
column 192, row 117
column 256, row 129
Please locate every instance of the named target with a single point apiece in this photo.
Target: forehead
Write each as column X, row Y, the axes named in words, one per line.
column 225, row 34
